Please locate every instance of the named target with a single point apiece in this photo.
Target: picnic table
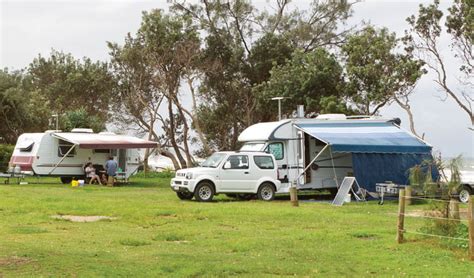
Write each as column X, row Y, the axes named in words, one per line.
column 8, row 176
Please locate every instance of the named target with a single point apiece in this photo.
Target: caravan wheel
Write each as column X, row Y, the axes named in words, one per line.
column 66, row 180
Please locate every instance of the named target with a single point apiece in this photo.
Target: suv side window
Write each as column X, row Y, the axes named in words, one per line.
column 264, row 162
column 276, row 149
column 237, row 162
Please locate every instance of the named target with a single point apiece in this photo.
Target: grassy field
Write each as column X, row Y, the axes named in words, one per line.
column 156, row 234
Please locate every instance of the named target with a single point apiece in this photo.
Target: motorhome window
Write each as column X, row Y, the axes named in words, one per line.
column 252, row 147
column 276, row 149
column 237, row 162
column 214, row 160
column 101, row 151
column 264, row 162
column 64, row 147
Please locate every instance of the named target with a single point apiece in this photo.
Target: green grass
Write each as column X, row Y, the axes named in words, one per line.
column 153, row 233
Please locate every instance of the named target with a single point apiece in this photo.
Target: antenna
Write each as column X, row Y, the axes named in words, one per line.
column 279, row 105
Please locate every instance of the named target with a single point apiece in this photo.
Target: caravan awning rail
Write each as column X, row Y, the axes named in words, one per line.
column 104, row 141
column 365, row 137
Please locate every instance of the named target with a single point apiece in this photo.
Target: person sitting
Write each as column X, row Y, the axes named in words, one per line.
column 91, row 174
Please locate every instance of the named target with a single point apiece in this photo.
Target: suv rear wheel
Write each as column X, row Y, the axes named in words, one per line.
column 204, row 192
column 464, row 194
column 266, row 192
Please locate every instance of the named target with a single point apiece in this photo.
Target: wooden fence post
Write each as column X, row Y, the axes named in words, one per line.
column 470, row 217
column 408, row 192
column 294, row 195
column 401, row 215
column 454, row 209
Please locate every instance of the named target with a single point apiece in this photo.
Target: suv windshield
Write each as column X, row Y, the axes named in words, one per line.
column 214, row 160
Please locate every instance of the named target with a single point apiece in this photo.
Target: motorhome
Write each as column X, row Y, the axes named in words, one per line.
column 318, row 153
column 64, row 154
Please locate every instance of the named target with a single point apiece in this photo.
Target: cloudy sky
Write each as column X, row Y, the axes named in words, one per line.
column 28, row 28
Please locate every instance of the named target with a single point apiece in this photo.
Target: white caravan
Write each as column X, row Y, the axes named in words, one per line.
column 318, row 153
column 64, row 154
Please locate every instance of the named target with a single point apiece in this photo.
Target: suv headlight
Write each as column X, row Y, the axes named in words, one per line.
column 189, row 175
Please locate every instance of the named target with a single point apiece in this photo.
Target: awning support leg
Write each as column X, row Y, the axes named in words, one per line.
column 309, row 165
column 57, row 164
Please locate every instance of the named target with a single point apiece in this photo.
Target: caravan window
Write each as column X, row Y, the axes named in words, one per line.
column 276, row 149
column 26, row 148
column 64, row 147
column 101, row 151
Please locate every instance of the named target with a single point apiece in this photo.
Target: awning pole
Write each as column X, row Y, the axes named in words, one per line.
column 309, row 165
column 57, row 164
column 333, row 168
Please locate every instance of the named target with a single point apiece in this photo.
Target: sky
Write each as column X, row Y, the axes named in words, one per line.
column 82, row 28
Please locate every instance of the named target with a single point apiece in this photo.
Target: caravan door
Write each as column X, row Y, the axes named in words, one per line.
column 281, row 157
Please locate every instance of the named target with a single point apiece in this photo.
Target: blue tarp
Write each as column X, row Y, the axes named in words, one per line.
column 365, row 137
column 372, row 168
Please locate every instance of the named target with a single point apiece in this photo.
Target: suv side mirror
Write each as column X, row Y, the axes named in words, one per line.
column 227, row 165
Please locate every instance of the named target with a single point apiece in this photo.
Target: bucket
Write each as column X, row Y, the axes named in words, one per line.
column 74, row 183
column 347, row 199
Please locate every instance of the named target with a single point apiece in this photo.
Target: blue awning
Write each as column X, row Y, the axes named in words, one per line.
column 365, row 137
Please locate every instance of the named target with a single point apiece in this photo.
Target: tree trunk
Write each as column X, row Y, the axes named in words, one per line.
column 406, row 106
column 172, row 135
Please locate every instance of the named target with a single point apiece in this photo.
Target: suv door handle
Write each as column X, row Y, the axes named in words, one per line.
column 246, row 172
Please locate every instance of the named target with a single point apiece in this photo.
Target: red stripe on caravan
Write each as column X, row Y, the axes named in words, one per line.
column 25, row 162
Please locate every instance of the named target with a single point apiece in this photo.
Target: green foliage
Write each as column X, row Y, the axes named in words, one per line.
column 165, row 174
column 6, row 152
column 243, row 46
column 22, row 109
column 311, row 79
column 69, row 84
column 81, row 119
column 377, row 71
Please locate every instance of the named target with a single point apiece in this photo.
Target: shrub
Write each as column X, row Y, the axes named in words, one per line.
column 5, row 154
column 167, row 174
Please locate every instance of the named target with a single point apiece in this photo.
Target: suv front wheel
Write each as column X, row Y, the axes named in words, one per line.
column 204, row 192
column 266, row 192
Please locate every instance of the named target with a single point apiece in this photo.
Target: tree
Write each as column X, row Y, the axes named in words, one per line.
column 313, row 79
column 378, row 72
column 242, row 45
column 150, row 69
column 81, row 119
column 69, row 84
column 423, row 38
column 21, row 108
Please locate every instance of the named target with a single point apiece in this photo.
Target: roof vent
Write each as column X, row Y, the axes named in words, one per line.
column 331, row 117
column 82, row 130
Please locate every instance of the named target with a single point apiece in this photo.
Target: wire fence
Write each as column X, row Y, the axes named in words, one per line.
column 452, row 214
